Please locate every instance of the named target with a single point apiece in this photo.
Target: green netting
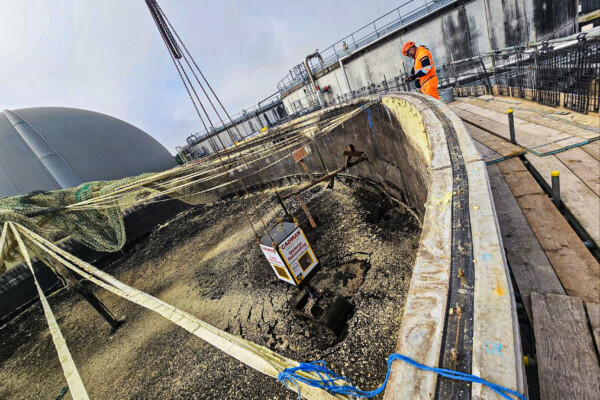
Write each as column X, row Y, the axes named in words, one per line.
column 92, row 213
column 46, row 213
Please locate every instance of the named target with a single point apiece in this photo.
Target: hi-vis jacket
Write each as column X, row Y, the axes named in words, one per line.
column 424, row 68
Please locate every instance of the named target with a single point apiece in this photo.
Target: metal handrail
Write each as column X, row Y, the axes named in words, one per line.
column 235, row 119
column 367, row 34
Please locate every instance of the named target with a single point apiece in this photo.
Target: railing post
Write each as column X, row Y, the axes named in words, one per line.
column 511, row 126
column 555, row 188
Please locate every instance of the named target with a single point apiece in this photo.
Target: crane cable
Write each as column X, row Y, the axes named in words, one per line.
column 235, row 126
column 168, row 28
column 168, row 39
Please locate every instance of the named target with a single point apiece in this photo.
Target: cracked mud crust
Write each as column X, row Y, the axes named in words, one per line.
column 206, row 262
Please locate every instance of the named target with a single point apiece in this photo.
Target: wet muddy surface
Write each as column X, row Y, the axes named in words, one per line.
column 207, row 262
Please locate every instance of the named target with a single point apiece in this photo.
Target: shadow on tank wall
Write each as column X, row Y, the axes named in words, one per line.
column 554, row 18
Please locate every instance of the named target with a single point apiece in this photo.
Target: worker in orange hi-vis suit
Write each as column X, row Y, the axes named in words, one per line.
column 424, row 71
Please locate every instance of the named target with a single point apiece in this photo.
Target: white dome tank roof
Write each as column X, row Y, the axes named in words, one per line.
column 49, row 148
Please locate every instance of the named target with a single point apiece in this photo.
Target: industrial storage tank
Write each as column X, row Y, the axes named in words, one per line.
column 49, row 148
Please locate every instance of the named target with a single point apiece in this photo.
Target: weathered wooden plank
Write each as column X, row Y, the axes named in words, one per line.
column 593, row 311
column 584, row 166
column 567, row 363
column 503, row 147
column 514, row 172
column 502, row 131
column 530, row 266
column 583, row 203
column 535, row 137
column 593, row 149
column 486, row 153
column 577, row 269
column 536, row 115
column 475, row 119
column 493, row 295
column 565, row 114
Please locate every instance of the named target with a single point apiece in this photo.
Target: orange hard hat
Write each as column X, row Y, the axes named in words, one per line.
column 407, row 46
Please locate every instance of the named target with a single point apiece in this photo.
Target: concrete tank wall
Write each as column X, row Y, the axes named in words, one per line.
column 249, row 126
column 463, row 29
column 407, row 139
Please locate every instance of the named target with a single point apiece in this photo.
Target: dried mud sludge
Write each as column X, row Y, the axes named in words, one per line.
column 206, row 261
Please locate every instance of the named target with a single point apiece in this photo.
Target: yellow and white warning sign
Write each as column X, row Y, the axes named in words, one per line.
column 293, row 258
column 298, row 255
column 277, row 263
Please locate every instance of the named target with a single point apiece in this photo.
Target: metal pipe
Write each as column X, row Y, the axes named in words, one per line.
column 285, row 210
column 487, row 78
column 309, row 72
column 323, row 178
column 265, row 99
column 345, row 76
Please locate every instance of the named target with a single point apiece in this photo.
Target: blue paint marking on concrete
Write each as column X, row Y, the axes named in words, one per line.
column 493, row 348
column 370, row 119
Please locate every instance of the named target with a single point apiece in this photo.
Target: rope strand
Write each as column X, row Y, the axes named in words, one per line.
column 337, row 384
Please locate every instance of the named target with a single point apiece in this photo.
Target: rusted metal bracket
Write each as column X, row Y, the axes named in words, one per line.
column 351, row 152
column 306, row 211
column 299, row 156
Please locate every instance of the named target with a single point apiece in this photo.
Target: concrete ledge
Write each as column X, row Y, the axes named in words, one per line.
column 496, row 353
column 495, row 320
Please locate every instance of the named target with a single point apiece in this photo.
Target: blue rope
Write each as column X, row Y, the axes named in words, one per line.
column 62, row 393
column 328, row 379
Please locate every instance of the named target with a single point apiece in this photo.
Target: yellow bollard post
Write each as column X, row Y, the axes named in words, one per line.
column 511, row 126
column 555, row 188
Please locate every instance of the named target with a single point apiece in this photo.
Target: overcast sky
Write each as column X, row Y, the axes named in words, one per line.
column 107, row 56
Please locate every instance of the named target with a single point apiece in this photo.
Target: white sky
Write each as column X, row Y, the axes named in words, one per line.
column 107, row 55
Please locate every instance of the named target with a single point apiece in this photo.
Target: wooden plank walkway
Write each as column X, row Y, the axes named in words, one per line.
column 593, row 149
column 577, row 269
column 546, row 257
column 579, row 196
column 543, row 116
column 486, row 153
column 528, row 262
column 579, row 167
column 567, row 363
column 537, row 138
column 582, row 164
column 497, row 148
